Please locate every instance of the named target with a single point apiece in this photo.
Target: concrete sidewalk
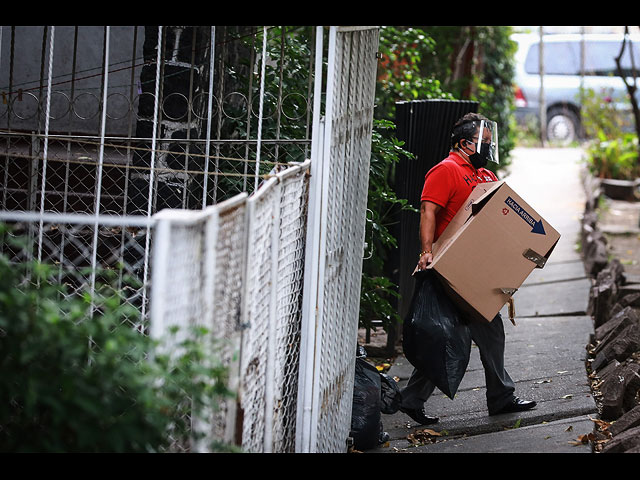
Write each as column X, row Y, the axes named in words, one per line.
column 545, row 352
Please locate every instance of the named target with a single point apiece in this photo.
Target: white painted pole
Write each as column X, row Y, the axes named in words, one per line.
column 151, row 172
column 260, row 110
column 46, row 139
column 96, row 209
column 209, row 114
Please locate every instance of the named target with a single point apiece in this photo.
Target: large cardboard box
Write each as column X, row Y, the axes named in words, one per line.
column 490, row 247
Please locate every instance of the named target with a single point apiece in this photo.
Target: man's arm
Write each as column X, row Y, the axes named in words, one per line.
column 428, row 211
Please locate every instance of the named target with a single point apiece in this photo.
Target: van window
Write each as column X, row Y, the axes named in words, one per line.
column 564, row 58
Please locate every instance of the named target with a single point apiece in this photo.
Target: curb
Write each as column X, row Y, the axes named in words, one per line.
column 614, row 349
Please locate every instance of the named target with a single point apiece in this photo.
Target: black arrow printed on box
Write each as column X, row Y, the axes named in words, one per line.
column 536, row 225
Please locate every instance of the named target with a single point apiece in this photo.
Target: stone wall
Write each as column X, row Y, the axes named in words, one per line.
column 614, row 349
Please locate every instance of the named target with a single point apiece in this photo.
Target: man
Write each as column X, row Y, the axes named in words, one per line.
column 447, row 185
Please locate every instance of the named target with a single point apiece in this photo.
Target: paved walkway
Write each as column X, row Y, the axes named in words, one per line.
column 545, row 352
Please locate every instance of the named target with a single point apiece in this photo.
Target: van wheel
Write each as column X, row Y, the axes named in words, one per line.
column 562, row 126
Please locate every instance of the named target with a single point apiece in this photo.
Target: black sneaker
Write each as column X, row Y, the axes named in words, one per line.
column 419, row 416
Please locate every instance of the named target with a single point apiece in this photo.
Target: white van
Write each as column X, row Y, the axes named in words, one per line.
column 563, row 68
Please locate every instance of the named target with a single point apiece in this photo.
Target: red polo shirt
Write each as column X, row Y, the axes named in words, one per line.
column 449, row 183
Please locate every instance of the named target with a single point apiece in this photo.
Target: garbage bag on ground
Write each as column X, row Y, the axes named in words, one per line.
column 389, row 394
column 366, row 423
column 436, row 340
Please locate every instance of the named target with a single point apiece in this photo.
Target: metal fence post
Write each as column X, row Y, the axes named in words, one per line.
column 312, row 259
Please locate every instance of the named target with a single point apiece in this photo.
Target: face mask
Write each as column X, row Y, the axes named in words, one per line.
column 480, row 159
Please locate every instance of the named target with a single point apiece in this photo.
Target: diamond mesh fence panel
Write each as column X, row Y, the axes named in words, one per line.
column 271, row 344
column 237, row 268
column 347, row 166
column 85, row 252
column 198, row 267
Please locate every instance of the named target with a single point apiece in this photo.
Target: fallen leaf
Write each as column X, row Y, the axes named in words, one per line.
column 582, row 439
column 568, row 396
column 420, row 437
column 601, row 423
column 543, row 381
column 569, row 429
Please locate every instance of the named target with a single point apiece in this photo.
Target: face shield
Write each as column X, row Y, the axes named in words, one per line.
column 487, row 144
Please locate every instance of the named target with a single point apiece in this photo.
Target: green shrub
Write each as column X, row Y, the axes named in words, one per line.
column 378, row 292
column 615, row 158
column 73, row 381
column 601, row 113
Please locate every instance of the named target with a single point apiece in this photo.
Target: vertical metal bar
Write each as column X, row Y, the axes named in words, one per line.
column 70, row 130
column 96, row 211
column 312, row 260
column 158, row 119
column 327, row 158
column 202, row 419
column 46, row 139
column 542, row 107
column 279, row 99
column 209, row 109
column 6, row 160
column 151, row 172
column 219, row 125
column 244, row 322
column 270, row 387
column 67, row 164
column 5, row 180
column 125, row 191
column 252, row 58
column 161, row 248
column 185, row 183
column 262, row 74
column 309, row 110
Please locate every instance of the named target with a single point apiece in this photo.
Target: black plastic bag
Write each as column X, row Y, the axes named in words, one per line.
column 389, row 394
column 435, row 339
column 366, row 423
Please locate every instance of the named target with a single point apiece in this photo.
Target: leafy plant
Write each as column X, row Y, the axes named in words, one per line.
column 76, row 377
column 615, row 158
column 611, row 152
column 378, row 292
column 403, row 52
column 477, row 63
column 600, row 113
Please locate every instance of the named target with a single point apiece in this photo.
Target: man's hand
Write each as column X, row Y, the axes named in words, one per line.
column 425, row 259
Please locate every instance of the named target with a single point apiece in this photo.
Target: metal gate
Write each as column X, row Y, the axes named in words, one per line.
column 335, row 241
column 167, row 157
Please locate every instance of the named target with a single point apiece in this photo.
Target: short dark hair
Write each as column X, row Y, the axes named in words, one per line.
column 466, row 127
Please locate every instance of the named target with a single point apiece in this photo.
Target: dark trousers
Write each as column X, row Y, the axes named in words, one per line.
column 489, row 337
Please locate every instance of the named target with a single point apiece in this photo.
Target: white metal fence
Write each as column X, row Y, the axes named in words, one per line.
column 275, row 274
column 337, row 206
column 238, row 272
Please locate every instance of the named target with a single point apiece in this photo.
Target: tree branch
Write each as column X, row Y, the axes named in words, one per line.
column 631, row 88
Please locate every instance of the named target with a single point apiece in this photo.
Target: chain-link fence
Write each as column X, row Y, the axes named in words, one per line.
column 191, row 182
